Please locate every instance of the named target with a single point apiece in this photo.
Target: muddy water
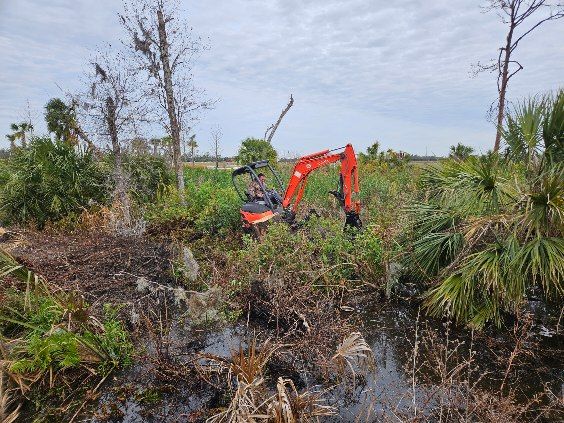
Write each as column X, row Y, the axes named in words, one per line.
column 389, row 328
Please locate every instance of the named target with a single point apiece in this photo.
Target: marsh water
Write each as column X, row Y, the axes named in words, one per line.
column 390, row 328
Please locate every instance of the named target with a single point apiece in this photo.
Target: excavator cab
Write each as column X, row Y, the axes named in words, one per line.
column 256, row 211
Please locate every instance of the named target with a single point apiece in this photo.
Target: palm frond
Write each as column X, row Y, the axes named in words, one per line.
column 290, row 406
column 542, row 261
column 523, row 130
column 553, row 130
column 244, row 406
column 353, row 353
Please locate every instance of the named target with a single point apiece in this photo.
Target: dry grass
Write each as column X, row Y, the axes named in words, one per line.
column 251, row 400
column 244, row 406
column 9, row 411
column 448, row 386
column 287, row 405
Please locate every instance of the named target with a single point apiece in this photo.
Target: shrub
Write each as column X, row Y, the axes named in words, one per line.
column 321, row 254
column 49, row 180
column 253, row 149
column 53, row 330
column 146, row 173
column 210, row 210
column 460, row 151
column 490, row 229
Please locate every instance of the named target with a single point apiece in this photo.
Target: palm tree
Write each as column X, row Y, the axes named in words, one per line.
column 193, row 145
column 460, row 151
column 19, row 132
column 62, row 121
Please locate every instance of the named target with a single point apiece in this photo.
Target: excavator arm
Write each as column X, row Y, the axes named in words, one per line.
column 348, row 181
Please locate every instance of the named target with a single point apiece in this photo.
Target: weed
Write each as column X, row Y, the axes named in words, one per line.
column 52, row 336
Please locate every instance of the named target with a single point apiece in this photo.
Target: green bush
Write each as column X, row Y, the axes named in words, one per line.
column 490, row 229
column 253, row 149
column 40, row 324
column 49, row 180
column 210, row 209
column 146, row 173
column 321, row 254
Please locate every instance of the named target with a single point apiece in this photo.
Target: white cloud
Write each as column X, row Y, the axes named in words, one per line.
column 362, row 69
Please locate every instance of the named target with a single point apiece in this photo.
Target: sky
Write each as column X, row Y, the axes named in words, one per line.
column 399, row 72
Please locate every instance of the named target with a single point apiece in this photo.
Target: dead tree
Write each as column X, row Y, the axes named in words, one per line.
column 163, row 47
column 216, row 135
column 272, row 128
column 112, row 104
column 516, row 14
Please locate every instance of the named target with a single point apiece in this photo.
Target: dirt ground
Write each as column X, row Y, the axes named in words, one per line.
column 104, row 267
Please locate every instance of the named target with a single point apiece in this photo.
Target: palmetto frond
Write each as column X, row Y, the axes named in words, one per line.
column 523, row 130
column 353, row 353
column 287, row 405
column 436, row 250
column 541, row 203
column 542, row 262
column 492, row 228
column 472, row 186
column 553, row 130
column 475, row 292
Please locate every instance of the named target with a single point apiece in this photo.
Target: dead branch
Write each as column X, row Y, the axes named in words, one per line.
column 272, row 128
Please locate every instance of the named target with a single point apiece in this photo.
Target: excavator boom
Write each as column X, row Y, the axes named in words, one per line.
column 348, row 181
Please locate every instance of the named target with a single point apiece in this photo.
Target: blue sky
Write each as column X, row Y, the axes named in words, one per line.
column 361, row 70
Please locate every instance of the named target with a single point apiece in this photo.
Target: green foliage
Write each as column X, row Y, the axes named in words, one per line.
column 40, row 323
column 54, row 331
column 49, row 180
column 113, row 340
column 534, row 131
column 253, row 149
column 212, row 207
column 387, row 159
column 372, row 152
column 490, row 229
column 472, row 186
column 19, row 132
column 460, row 151
column 553, row 130
column 56, row 347
column 321, row 253
column 146, row 174
column 217, row 210
column 61, row 121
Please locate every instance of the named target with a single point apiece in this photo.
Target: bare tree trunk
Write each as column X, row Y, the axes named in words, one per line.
column 272, row 129
column 216, row 138
column 90, row 145
column 515, row 13
column 171, row 107
column 121, row 188
column 503, row 89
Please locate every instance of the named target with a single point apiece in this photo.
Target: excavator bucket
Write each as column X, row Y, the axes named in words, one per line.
column 352, row 220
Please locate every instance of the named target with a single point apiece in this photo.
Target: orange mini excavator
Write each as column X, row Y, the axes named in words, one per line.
column 256, row 211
